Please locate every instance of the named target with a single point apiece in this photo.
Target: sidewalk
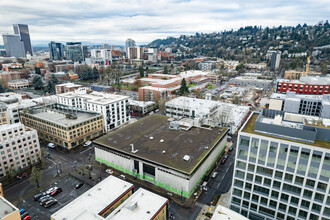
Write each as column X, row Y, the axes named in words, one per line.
column 207, row 210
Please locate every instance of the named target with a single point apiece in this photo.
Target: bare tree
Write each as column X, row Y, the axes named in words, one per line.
column 36, row 175
column 161, row 105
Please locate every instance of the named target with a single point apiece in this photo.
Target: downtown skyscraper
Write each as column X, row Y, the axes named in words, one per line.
column 19, row 43
column 23, row 31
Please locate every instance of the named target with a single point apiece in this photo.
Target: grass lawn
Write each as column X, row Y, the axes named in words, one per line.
column 210, row 86
column 191, row 84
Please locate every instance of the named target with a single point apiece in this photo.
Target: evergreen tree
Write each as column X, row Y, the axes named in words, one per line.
column 95, row 73
column 184, row 88
column 54, row 79
column 165, row 70
column 37, row 70
column 37, row 82
column 51, row 87
column 2, row 90
column 141, row 71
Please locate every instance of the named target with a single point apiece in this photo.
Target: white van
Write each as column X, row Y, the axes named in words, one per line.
column 51, row 145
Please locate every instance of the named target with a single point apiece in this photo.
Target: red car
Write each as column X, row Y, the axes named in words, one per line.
column 22, row 176
column 56, row 191
column 27, row 217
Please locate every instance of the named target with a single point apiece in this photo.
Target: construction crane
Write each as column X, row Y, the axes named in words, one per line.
column 307, row 66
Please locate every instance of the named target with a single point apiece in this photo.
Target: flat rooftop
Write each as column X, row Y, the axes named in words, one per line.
column 143, row 204
column 249, row 128
column 58, row 116
column 88, row 205
column 223, row 213
column 99, row 98
column 196, row 142
column 6, row 208
column 187, row 102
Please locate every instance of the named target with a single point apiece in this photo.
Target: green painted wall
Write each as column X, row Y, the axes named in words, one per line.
column 162, row 185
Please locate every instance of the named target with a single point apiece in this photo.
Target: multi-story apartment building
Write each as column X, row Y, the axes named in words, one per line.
column 129, row 43
column 315, row 105
column 3, row 114
column 101, row 56
column 19, row 147
column 66, row 87
column 14, row 46
column 282, row 168
column 76, row 52
column 312, row 85
column 56, row 50
column 65, row 126
column 114, row 108
column 22, row 30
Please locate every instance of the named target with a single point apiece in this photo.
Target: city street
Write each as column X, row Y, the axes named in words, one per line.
column 21, row 192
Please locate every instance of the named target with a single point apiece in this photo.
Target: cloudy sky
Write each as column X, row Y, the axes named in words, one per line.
column 113, row 21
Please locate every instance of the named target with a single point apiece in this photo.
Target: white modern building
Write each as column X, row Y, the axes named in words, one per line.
column 141, row 107
column 170, row 156
column 282, row 168
column 115, row 108
column 19, row 147
column 208, row 112
column 101, row 56
column 191, row 107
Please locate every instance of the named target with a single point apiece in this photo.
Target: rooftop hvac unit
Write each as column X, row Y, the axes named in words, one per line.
column 186, row 158
column 174, row 125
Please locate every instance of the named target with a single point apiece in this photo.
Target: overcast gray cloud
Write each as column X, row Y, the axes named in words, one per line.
column 113, row 21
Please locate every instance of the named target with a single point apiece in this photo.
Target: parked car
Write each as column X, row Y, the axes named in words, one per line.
column 56, row 191
column 45, row 199
column 21, row 211
column 214, row 174
column 224, row 160
column 172, row 216
column 22, row 176
column 108, row 171
column 79, row 185
column 48, row 192
column 231, row 148
column 38, row 196
column 87, row 144
column 26, row 217
column 24, row 214
column 49, row 203
column 123, row 177
column 51, row 145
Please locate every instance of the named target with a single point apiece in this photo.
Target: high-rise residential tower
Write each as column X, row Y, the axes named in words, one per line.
column 23, row 31
column 129, row 43
column 14, row 46
column 56, row 50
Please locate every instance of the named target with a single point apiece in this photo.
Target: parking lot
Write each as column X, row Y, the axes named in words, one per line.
column 69, row 193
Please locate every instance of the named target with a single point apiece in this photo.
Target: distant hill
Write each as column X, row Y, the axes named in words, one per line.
column 250, row 41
